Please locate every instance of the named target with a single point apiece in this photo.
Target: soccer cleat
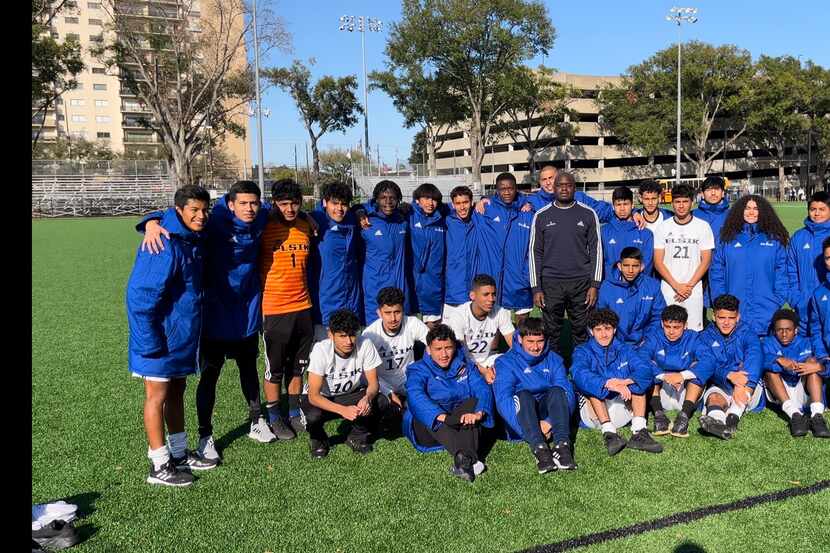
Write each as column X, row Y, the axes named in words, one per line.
column 359, row 446
column 680, row 428
column 544, row 459
column 479, row 467
column 169, row 475
column 207, row 449
column 643, row 441
column 58, row 534
column 297, row 423
column 192, row 461
column 562, row 457
column 661, row 423
column 282, row 430
column 732, row 421
column 463, row 467
column 714, row 427
column 799, row 425
column 613, row 442
column 819, row 426
column 319, row 448
column 261, row 432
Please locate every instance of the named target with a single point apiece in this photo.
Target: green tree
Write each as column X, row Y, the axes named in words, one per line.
column 417, row 152
column 642, row 111
column 475, row 46
column 77, row 149
column 818, row 118
column 54, row 65
column 330, row 105
column 338, row 162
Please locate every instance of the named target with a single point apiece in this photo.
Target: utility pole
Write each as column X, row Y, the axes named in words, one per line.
column 679, row 15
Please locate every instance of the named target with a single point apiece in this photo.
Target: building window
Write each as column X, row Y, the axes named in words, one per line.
column 60, row 117
column 71, row 20
column 73, row 36
column 96, row 38
column 78, row 134
column 101, row 103
column 76, row 102
column 96, row 22
column 99, row 71
column 79, row 118
column 103, row 119
column 104, row 135
column 99, row 87
column 93, row 5
column 55, row 35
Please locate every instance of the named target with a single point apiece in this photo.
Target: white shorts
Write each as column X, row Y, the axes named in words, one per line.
column 693, row 305
column 523, row 311
column 618, row 412
column 670, row 398
column 156, row 378
column 490, row 361
column 797, row 393
column 448, row 309
column 753, row 401
column 430, row 318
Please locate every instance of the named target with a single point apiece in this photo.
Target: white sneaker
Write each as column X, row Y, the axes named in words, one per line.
column 261, row 432
column 207, row 449
column 479, row 467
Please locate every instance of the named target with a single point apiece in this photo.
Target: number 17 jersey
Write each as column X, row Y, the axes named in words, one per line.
column 396, row 351
column 682, row 244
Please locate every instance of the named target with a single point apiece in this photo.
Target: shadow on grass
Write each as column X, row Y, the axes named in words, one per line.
column 229, row 437
column 688, row 547
column 86, row 506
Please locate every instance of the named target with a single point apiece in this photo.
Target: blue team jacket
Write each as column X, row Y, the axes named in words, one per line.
column 721, row 355
column 335, row 267
column 431, row 391
column 518, row 371
column 753, row 268
column 715, row 215
column 460, row 246
column 540, row 198
column 805, row 267
column 820, row 320
column 678, row 356
column 800, row 349
column 164, row 304
column 386, row 258
column 427, row 234
column 639, row 305
column 593, row 365
column 617, row 235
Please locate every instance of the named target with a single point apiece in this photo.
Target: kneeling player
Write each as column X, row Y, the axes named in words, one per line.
column 793, row 376
column 678, row 381
column 731, row 352
column 448, row 402
column 342, row 382
column 534, row 396
column 613, row 380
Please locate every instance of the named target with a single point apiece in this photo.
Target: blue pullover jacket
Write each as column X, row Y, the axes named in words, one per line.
column 618, row 235
column 461, row 251
column 715, row 215
column 720, row 355
column 805, row 267
column 820, row 321
column 799, row 350
column 593, row 365
column 678, row 356
column 639, row 305
column 427, row 234
column 164, row 304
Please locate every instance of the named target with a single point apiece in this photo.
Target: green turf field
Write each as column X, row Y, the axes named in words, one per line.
column 88, row 447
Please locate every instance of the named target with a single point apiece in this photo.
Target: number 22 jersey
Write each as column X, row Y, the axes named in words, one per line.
column 477, row 334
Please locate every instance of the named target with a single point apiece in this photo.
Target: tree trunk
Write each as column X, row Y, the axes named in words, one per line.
column 531, row 161
column 315, row 156
column 781, row 176
column 475, row 149
column 431, row 160
column 181, row 168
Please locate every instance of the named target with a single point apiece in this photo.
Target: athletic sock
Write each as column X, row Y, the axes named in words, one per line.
column 816, row 408
column 637, row 424
column 656, row 404
column 689, row 408
column 790, row 408
column 737, row 410
column 608, row 427
column 293, row 405
column 159, row 457
column 717, row 414
column 273, row 408
column 177, row 443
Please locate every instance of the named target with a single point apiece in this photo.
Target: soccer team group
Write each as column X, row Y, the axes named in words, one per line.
column 333, row 293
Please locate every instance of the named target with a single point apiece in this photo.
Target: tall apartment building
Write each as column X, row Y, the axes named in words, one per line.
column 104, row 109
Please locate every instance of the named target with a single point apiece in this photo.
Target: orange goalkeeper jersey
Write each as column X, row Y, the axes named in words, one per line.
column 283, row 266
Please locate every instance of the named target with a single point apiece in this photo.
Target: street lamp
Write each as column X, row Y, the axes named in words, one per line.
column 260, row 174
column 347, row 23
column 678, row 16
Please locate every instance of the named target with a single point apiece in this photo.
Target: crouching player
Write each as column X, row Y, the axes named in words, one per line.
column 534, row 396
column 342, row 383
column 448, row 402
column 731, row 352
column 613, row 381
column 678, row 381
column 793, row 376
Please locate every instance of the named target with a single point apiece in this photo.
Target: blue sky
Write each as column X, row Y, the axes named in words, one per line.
column 593, row 37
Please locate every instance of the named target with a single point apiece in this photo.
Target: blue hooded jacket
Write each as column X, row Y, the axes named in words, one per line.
column 715, row 215
column 540, row 198
column 720, row 355
column 427, row 234
column 805, row 267
column 386, row 258
column 799, row 350
column 431, row 391
column 678, row 356
column 753, row 268
column 820, row 321
column 593, row 365
column 639, row 305
column 618, row 235
column 518, row 371
column 461, row 251
column 164, row 304
column 335, row 267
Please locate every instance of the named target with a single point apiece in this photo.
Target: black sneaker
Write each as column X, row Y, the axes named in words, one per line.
column 799, row 425
column 732, row 421
column 544, row 459
column 562, row 456
column 463, row 467
column 58, row 534
column 297, row 423
column 819, row 426
column 319, row 448
column 714, row 427
column 359, row 446
column 281, row 430
column 613, row 442
column 169, row 475
column 680, row 428
column 661, row 423
column 192, row 461
column 643, row 441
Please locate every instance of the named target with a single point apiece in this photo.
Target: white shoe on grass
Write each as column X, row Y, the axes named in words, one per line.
column 261, row 432
column 207, row 449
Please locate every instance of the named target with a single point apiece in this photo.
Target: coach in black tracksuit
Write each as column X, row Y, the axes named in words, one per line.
column 565, row 261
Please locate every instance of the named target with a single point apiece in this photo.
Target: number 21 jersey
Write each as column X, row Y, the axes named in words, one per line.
column 682, row 245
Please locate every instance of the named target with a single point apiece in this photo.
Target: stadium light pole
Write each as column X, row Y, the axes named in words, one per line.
column 260, row 173
column 347, row 23
column 678, row 16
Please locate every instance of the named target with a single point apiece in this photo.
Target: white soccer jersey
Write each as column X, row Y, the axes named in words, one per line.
column 396, row 351
column 341, row 376
column 653, row 226
column 477, row 335
column 682, row 245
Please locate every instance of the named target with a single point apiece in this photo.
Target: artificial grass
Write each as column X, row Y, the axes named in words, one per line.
column 88, row 446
